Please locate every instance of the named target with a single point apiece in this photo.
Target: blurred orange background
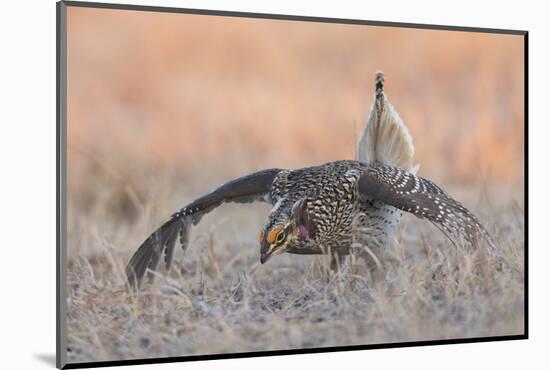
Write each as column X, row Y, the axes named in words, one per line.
column 201, row 99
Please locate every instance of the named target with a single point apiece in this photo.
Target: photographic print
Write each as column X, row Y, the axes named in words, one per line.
column 252, row 184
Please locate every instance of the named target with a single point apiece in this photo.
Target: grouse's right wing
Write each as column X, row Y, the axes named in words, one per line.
column 246, row 189
column 421, row 197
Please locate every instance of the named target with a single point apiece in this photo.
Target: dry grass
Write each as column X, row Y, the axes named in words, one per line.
column 219, row 299
column 162, row 107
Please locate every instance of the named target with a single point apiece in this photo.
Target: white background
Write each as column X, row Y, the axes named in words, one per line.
column 27, row 206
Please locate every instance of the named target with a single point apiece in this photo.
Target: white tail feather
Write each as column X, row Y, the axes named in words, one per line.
column 386, row 139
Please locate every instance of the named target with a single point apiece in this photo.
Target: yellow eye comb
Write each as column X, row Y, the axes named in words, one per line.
column 272, row 236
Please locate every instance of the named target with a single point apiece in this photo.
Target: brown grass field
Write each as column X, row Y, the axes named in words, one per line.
column 164, row 107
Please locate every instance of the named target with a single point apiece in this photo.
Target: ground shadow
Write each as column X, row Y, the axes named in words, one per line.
column 47, row 358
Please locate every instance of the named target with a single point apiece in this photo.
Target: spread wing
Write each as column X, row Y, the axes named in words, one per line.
column 421, row 197
column 246, row 189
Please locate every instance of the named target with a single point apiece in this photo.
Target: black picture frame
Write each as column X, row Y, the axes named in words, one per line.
column 61, row 186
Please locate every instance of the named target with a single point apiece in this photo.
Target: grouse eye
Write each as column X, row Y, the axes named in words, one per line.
column 281, row 236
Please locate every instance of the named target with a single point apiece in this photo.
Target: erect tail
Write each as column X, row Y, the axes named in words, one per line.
column 386, row 139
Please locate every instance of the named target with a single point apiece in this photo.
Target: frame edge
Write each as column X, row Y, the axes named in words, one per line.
column 288, row 17
column 61, row 169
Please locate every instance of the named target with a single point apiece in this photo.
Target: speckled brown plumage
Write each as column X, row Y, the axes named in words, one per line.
column 314, row 209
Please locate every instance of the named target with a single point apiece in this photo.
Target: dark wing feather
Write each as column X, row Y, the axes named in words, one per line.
column 246, row 189
column 424, row 199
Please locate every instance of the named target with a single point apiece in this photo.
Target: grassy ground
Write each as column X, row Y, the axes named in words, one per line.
column 218, row 298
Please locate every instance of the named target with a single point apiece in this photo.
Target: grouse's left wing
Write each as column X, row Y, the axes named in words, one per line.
column 424, row 199
column 246, row 189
